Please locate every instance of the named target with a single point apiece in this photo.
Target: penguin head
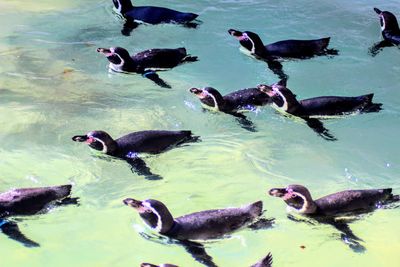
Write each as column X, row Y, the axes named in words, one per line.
column 296, row 196
column 98, row 140
column 117, row 56
column 388, row 20
column 123, row 6
column 249, row 40
column 154, row 213
column 274, row 91
column 209, row 96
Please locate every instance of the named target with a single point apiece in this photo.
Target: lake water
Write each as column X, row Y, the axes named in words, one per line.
column 53, row 85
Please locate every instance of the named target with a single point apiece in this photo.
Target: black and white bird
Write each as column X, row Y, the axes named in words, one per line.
column 252, row 44
column 128, row 147
column 203, row 225
column 135, row 15
column 146, row 62
column 264, row 262
column 234, row 103
column 284, row 100
column 29, row 201
column 327, row 208
column 390, row 31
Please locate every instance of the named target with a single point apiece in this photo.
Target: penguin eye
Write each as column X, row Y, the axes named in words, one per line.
column 293, row 196
column 148, row 211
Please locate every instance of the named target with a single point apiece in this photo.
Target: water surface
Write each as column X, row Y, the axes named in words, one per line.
column 54, row 85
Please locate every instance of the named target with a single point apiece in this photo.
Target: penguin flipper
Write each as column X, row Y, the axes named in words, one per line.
column 153, row 76
column 295, row 219
column 191, row 25
column 11, row 230
column 68, row 201
column 348, row 237
column 377, row 47
column 318, row 127
column 198, row 252
column 139, row 167
column 262, row 223
column 277, row 69
column 128, row 27
column 244, row 122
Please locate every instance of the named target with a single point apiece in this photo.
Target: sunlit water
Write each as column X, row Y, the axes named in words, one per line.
column 54, row 85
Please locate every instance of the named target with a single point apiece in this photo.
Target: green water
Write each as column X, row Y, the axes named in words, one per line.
column 54, row 85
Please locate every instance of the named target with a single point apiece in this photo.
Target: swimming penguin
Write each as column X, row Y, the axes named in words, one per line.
column 264, row 262
column 323, row 106
column 284, row 100
column 288, row 49
column 29, row 201
column 390, row 31
column 146, row 62
column 325, row 209
column 129, row 146
column 136, row 15
column 233, row 103
column 203, row 225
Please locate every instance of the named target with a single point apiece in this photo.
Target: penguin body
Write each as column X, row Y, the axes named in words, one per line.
column 29, row 201
column 152, row 14
column 163, row 58
column 389, row 26
column 284, row 100
column 341, row 203
column 298, row 49
column 203, row 225
column 244, row 99
column 151, row 142
column 264, row 262
column 146, row 61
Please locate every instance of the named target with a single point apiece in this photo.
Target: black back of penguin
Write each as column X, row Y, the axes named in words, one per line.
column 152, row 142
column 152, row 14
column 29, row 201
column 211, row 224
column 162, row 57
column 339, row 105
column 298, row 48
column 248, row 98
column 350, row 201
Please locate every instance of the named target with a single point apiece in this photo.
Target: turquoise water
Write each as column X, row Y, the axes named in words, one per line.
column 54, row 85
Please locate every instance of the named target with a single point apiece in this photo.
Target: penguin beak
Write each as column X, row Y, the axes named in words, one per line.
column 200, row 93
column 79, row 138
column 378, row 11
column 147, row 265
column 195, row 91
column 277, row 192
column 83, row 138
column 106, row 52
column 136, row 204
column 237, row 34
